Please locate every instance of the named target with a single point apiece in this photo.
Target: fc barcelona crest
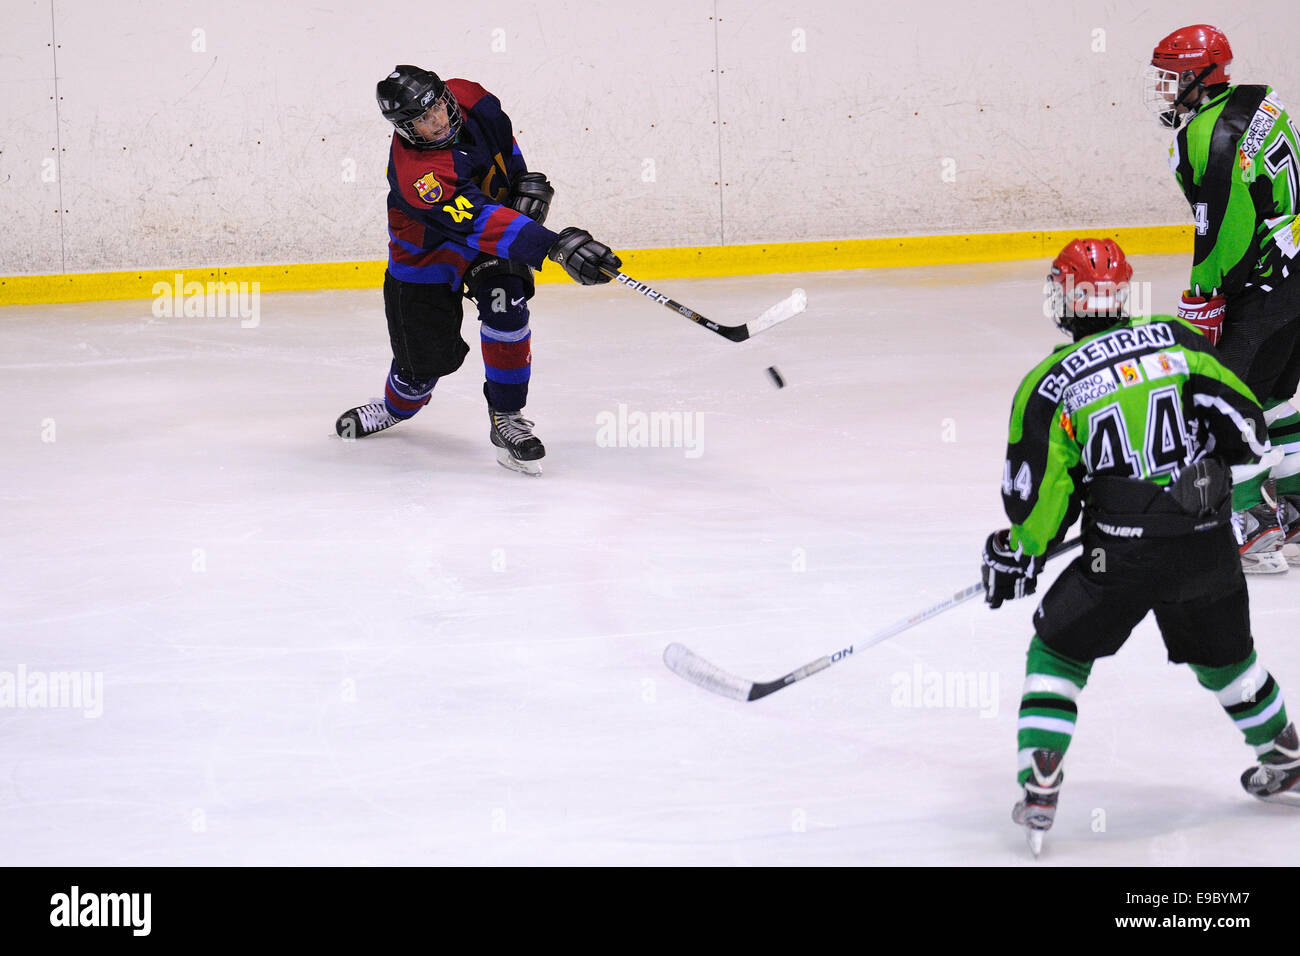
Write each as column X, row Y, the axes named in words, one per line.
column 429, row 188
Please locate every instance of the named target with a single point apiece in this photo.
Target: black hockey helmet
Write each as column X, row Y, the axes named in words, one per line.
column 408, row 93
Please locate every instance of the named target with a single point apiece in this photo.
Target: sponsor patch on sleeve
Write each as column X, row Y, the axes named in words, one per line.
column 1128, row 373
column 1164, row 364
column 429, row 188
column 1066, row 424
column 1261, row 124
column 1088, row 390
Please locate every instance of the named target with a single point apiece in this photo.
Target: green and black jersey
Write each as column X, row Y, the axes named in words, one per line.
column 1119, row 403
column 1238, row 163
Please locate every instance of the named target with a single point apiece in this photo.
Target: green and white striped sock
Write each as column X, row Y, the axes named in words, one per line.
column 1047, row 703
column 1284, row 432
column 1250, row 696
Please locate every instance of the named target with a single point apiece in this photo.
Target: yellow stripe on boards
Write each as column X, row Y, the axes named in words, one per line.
column 679, row 263
column 705, row 261
column 143, row 284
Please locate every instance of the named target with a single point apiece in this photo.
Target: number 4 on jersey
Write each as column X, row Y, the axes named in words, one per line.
column 1108, row 445
column 1201, row 216
column 1023, row 485
column 1164, row 449
column 1166, row 446
column 461, row 211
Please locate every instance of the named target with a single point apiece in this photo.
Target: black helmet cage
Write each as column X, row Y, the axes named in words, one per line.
column 407, row 94
column 1192, row 91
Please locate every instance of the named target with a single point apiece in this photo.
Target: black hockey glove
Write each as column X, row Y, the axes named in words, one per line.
column 583, row 257
column 531, row 195
column 1006, row 576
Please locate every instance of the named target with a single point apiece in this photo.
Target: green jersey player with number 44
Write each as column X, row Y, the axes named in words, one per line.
column 1136, row 423
column 1236, row 157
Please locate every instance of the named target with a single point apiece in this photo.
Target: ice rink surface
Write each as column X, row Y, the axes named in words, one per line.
column 394, row 651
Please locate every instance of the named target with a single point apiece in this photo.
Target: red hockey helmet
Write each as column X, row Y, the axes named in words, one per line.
column 1089, row 280
column 1183, row 65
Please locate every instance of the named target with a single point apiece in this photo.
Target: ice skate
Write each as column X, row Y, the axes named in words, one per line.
column 1260, row 540
column 1037, row 809
column 1289, row 506
column 364, row 420
column 517, row 447
column 1276, row 776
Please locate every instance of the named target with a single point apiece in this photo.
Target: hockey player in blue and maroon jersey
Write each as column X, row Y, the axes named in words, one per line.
column 464, row 218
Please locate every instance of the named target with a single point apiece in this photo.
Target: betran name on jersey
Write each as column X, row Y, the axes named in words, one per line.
column 1104, row 349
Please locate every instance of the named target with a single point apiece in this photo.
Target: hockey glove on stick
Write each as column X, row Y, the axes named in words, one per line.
column 1006, row 575
column 531, row 195
column 1205, row 314
column 583, row 257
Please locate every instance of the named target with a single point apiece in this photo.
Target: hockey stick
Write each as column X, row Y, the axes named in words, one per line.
column 785, row 309
column 685, row 663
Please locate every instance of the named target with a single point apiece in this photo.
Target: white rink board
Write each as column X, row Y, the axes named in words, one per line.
column 192, row 134
column 395, row 651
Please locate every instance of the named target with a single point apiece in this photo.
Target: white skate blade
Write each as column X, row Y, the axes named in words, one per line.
column 1287, row 798
column 1035, row 840
column 532, row 469
column 1292, row 554
column 1265, row 562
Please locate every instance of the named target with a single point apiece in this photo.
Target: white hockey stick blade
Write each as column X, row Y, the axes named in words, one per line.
column 787, row 308
column 685, row 663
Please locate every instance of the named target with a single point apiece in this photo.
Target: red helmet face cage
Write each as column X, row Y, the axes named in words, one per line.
column 1183, row 65
column 1089, row 280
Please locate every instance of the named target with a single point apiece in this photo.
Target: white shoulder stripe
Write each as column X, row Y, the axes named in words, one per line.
column 1278, row 411
column 1246, row 428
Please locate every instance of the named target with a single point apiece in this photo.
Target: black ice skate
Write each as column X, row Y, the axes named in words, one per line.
column 364, row 420
column 1037, row 810
column 1276, row 777
column 1260, row 538
column 517, row 447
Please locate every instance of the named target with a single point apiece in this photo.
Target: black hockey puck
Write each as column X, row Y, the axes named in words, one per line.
column 777, row 380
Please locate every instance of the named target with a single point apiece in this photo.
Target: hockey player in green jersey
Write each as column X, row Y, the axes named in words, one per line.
column 1135, row 424
column 1236, row 157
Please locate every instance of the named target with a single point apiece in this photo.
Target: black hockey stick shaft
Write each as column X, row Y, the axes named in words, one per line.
column 736, row 333
column 686, row 664
column 785, row 309
column 959, row 597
